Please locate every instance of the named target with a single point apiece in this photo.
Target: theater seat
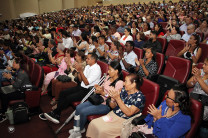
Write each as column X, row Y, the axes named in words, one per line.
column 163, row 43
column 31, row 65
column 151, row 92
column 32, row 98
column 177, row 68
column 77, row 38
column 125, row 73
column 103, row 66
column 138, row 52
column 160, row 59
column 201, row 35
column 204, row 54
column 82, row 29
column 164, row 24
column 174, row 47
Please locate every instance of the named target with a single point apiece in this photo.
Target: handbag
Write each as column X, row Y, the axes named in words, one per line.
column 96, row 99
column 63, row 78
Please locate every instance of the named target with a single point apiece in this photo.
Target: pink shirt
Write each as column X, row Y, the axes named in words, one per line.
column 106, row 85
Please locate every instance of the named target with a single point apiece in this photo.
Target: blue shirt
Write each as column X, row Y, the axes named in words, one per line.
column 171, row 127
column 138, row 44
column 137, row 99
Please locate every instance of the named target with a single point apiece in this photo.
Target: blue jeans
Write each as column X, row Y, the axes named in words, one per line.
column 85, row 109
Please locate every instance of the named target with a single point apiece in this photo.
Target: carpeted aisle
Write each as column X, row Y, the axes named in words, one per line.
column 36, row 128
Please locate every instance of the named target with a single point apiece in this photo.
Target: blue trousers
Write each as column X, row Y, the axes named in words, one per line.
column 85, row 109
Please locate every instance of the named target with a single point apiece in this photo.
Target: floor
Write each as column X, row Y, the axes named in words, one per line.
column 37, row 128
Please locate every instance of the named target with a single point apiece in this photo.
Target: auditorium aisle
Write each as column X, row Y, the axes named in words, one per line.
column 37, row 128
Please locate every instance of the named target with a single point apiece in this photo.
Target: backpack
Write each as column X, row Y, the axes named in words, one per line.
column 20, row 112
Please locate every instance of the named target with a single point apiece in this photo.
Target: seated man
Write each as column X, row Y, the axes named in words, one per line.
column 190, row 31
column 88, row 78
column 153, row 43
column 127, row 58
column 19, row 79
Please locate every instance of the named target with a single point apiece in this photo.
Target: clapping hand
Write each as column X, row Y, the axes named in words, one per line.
column 156, row 113
column 141, row 61
column 137, row 62
column 196, row 72
column 78, row 67
column 7, row 75
column 113, row 93
column 98, row 88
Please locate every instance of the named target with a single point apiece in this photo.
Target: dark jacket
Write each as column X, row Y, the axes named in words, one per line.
column 21, row 79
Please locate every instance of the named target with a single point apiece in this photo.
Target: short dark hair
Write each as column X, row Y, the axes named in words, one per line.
column 94, row 39
column 131, row 43
column 94, row 56
column 52, row 42
column 102, row 36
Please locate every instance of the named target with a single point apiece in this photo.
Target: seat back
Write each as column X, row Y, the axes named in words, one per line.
column 82, row 29
column 138, row 52
column 24, row 63
column 37, row 75
column 151, row 92
column 197, row 111
column 177, row 68
column 125, row 73
column 204, row 54
column 201, row 35
column 31, row 65
column 77, row 38
column 164, row 24
column 160, row 59
column 103, row 66
column 174, row 47
column 163, row 42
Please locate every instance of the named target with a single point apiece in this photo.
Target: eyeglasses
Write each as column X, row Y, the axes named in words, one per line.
column 169, row 98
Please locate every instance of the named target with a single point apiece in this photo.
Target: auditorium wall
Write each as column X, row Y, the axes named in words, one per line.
column 11, row 9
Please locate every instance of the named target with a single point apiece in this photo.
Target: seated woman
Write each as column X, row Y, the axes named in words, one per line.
column 140, row 37
column 127, row 103
column 172, row 114
column 56, row 60
column 113, row 80
column 146, row 29
column 95, row 31
column 91, row 46
column 203, row 28
column 81, row 44
column 19, row 79
column 112, row 54
column 192, row 51
column 147, row 67
column 159, row 30
column 172, row 34
column 199, row 81
column 126, row 37
column 61, row 71
column 58, row 86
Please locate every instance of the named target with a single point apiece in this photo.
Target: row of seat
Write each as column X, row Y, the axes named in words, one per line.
column 151, row 91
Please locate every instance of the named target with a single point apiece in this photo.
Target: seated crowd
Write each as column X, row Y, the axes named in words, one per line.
column 69, row 44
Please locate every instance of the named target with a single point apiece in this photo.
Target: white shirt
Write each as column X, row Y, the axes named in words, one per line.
column 129, row 38
column 102, row 48
column 129, row 58
column 91, row 47
column 183, row 28
column 186, row 37
column 93, row 74
column 67, row 42
column 76, row 32
column 151, row 25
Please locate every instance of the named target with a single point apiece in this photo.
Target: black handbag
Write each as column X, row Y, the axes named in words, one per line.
column 63, row 78
column 96, row 99
column 141, row 135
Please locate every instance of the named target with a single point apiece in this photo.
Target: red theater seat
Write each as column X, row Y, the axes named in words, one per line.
column 160, row 59
column 174, row 47
column 163, row 42
column 177, row 68
column 138, row 52
column 204, row 54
